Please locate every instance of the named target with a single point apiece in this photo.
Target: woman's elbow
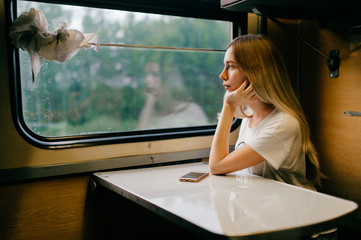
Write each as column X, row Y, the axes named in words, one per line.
column 214, row 169
column 217, row 165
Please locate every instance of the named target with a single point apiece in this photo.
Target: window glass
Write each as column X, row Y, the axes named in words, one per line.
column 125, row 88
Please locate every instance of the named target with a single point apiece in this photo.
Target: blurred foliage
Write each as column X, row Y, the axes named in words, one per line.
column 103, row 91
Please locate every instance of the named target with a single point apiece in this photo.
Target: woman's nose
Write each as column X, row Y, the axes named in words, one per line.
column 223, row 75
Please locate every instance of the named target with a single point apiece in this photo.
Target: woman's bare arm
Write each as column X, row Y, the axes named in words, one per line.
column 220, row 160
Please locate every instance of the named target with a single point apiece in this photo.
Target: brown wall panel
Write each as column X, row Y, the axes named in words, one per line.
column 46, row 209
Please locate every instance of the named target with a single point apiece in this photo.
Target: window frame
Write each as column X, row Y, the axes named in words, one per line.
column 175, row 8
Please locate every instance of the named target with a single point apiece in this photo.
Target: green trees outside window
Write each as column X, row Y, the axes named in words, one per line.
column 125, row 89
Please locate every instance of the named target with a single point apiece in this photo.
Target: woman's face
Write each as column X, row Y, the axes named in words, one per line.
column 153, row 81
column 232, row 75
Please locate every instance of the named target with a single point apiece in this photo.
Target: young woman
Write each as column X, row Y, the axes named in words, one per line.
column 274, row 138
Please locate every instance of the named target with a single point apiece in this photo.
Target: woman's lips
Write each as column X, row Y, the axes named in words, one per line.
column 227, row 87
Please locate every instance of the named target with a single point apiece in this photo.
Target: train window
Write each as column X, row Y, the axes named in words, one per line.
column 169, row 83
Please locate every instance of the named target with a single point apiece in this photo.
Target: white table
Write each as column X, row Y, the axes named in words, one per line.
column 233, row 206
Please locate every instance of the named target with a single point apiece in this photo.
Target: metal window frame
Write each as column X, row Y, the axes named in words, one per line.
column 184, row 8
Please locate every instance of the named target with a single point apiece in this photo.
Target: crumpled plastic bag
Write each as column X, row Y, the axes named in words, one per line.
column 30, row 33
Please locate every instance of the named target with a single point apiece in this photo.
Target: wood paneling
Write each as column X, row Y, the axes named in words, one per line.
column 46, row 209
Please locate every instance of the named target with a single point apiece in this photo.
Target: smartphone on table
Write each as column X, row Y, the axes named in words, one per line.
column 193, row 176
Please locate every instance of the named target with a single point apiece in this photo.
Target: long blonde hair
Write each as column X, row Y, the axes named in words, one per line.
column 260, row 60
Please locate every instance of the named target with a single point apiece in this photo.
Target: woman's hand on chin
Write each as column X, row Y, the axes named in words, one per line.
column 244, row 95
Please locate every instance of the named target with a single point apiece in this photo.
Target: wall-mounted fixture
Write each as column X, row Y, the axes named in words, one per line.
column 353, row 113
